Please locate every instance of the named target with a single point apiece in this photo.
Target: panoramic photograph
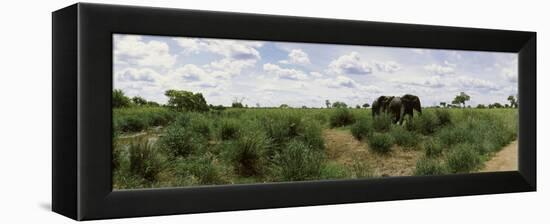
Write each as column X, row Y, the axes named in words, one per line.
column 200, row 111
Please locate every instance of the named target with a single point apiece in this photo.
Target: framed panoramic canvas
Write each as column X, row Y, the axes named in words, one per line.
column 167, row 111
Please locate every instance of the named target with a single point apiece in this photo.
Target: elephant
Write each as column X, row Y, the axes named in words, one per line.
column 399, row 107
column 380, row 105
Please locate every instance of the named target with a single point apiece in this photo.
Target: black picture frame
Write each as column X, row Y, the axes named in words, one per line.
column 82, row 86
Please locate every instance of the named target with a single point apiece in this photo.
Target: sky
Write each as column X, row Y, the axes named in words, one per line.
column 268, row 74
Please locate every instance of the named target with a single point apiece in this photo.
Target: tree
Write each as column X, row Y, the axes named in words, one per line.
column 480, row 106
column 357, row 106
column 339, row 104
column 182, row 100
column 443, row 104
column 461, row 99
column 495, row 105
column 119, row 99
column 237, row 102
column 327, row 102
column 152, row 104
column 283, row 106
column 366, row 105
column 513, row 101
column 137, row 100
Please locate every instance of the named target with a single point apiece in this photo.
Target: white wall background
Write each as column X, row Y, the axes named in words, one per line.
column 25, row 115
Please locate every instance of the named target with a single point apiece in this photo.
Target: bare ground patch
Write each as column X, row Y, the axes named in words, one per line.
column 505, row 160
column 343, row 148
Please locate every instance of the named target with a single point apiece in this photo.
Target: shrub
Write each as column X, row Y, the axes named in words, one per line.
column 361, row 129
column 144, row 160
column 333, row 171
column 404, row 138
column 202, row 168
column 248, row 154
column 201, row 125
column 181, row 141
column 463, row 159
column 310, row 133
column 359, row 169
column 229, row 129
column 133, row 123
column 341, row 117
column 432, row 147
column 443, row 117
column 381, row 142
column 382, row 123
column 297, row 162
column 427, row 166
column 425, row 124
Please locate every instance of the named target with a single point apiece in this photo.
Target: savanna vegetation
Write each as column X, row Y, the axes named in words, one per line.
column 187, row 142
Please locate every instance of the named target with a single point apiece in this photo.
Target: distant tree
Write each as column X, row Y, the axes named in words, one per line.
column 481, row 106
column 304, row 107
column 137, row 100
column 506, row 105
column 443, row 104
column 237, row 102
column 357, row 106
column 152, row 104
column 513, row 101
column 495, row 105
column 283, row 106
column 182, row 100
column 461, row 99
column 119, row 99
column 366, row 105
column 339, row 104
column 258, row 105
column 327, row 102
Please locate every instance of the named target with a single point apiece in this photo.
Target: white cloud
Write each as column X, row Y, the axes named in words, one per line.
column 439, row 69
column 192, row 75
column 297, row 56
column 474, row 83
column 189, row 45
column 338, row 82
column 228, row 67
column 389, row 66
column 316, row 74
column 284, row 73
column 234, row 49
column 432, row 82
column 137, row 75
column 350, row 64
column 132, row 50
column 510, row 75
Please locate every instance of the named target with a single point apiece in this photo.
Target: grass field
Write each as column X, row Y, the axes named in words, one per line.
column 157, row 147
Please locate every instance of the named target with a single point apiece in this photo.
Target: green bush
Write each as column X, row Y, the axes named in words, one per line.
column 404, row 138
column 425, row 124
column 333, row 171
column 297, row 162
column 202, row 125
column 202, row 169
column 432, row 147
column 382, row 123
column 427, row 166
column 311, row 133
column 181, row 141
column 229, row 129
column 248, row 154
column 145, row 160
column 361, row 129
column 381, row 142
column 463, row 159
column 443, row 117
column 341, row 117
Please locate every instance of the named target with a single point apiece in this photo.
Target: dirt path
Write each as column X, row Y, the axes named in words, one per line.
column 505, row 160
column 343, row 148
